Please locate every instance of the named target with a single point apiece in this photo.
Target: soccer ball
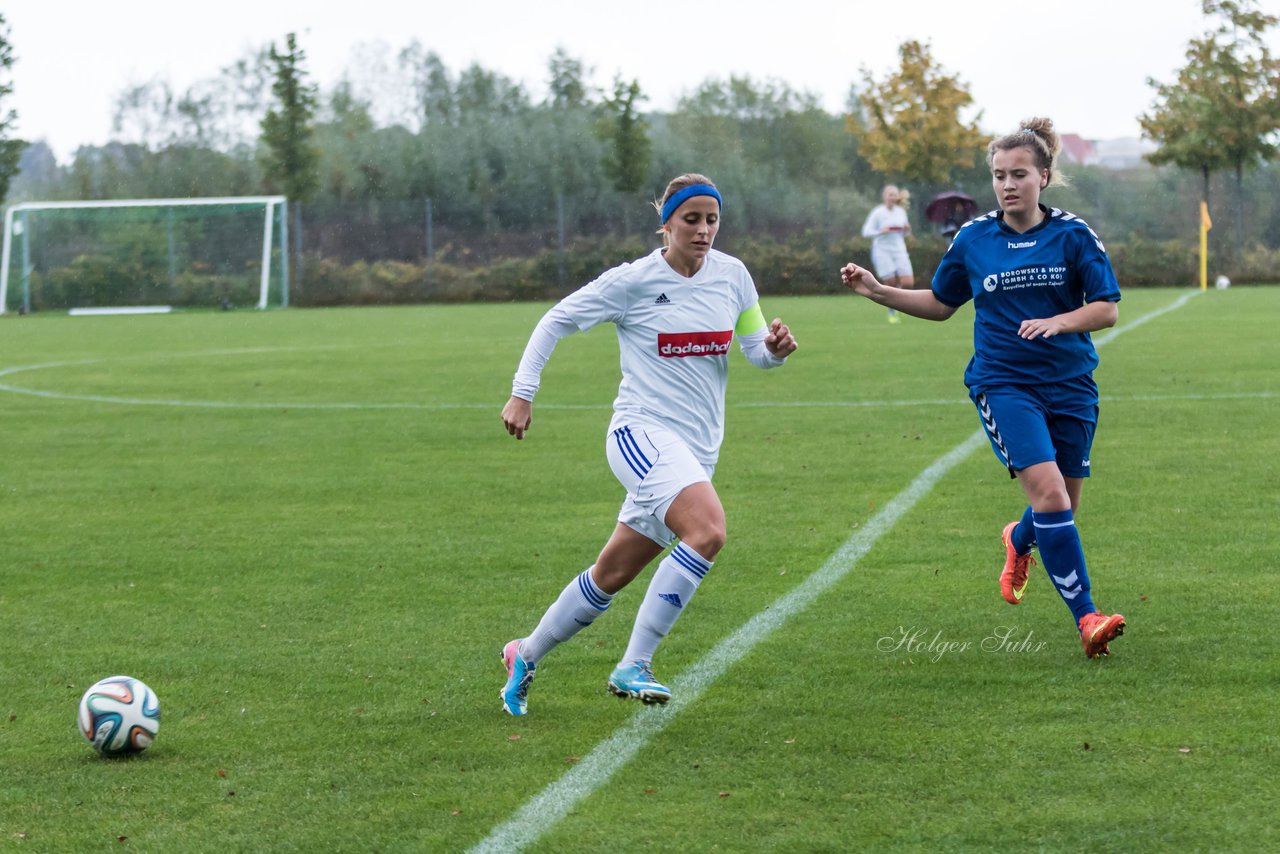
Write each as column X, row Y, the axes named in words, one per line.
column 119, row 715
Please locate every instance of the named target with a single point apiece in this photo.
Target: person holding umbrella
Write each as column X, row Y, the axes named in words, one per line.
column 950, row 210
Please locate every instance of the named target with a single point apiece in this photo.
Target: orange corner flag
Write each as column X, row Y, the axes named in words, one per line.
column 1205, row 222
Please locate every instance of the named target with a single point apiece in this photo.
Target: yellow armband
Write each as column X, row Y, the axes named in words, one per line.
column 751, row 320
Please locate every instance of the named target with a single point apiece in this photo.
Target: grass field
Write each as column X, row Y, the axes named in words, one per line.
column 309, row 533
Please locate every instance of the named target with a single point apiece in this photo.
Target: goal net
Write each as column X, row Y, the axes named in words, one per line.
column 133, row 255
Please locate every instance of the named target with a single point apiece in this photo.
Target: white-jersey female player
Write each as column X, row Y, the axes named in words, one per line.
column 676, row 312
column 888, row 227
column 1040, row 282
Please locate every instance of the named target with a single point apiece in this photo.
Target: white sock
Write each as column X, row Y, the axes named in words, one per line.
column 674, row 583
column 579, row 604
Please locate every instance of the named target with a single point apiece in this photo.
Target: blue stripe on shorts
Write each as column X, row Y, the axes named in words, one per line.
column 631, row 452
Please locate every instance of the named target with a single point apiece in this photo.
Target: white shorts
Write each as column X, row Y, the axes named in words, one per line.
column 890, row 261
column 654, row 466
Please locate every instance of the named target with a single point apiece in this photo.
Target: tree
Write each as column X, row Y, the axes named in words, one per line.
column 770, row 145
column 912, row 128
column 291, row 158
column 38, row 176
column 10, row 149
column 625, row 131
column 244, row 87
column 433, row 89
column 1223, row 111
column 568, row 84
column 347, row 160
column 286, row 129
column 145, row 114
column 222, row 113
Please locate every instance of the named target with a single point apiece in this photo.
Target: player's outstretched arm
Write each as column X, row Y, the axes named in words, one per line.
column 917, row 303
column 861, row 281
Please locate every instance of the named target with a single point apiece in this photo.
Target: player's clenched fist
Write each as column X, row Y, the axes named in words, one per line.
column 780, row 341
column 517, row 415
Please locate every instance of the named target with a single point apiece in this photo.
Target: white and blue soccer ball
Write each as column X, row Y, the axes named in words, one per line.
column 119, row 715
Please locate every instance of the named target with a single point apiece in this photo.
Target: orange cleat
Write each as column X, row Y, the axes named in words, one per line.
column 1013, row 578
column 1097, row 630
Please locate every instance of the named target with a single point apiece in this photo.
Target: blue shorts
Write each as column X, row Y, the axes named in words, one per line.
column 1037, row 424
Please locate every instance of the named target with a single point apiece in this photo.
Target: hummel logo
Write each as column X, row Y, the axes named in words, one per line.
column 672, row 598
column 1070, row 586
column 662, row 300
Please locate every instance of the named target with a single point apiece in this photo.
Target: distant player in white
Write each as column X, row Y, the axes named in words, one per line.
column 676, row 312
column 887, row 226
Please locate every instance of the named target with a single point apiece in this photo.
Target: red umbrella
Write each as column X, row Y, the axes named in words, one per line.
column 939, row 207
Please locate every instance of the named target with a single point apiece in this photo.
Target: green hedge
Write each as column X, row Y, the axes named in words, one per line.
column 801, row 266
column 806, row 264
column 97, row 280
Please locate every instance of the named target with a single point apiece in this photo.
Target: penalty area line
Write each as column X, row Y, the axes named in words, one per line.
column 547, row 808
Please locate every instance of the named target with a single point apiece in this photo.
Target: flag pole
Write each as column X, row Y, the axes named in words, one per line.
column 1205, row 225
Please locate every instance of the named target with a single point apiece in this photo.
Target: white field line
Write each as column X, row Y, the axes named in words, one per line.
column 538, row 816
column 445, row 406
column 553, row 803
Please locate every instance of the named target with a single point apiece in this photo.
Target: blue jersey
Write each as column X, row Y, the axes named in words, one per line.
column 1056, row 267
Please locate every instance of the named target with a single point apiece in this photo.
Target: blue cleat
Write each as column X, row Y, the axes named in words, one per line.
column 635, row 680
column 520, row 674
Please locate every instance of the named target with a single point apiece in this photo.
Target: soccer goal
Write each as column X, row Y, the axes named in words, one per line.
column 141, row 255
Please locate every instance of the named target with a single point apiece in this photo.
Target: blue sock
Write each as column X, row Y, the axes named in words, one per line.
column 1063, row 558
column 1024, row 536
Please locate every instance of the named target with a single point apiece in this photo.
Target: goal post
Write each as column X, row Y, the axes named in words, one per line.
column 125, row 254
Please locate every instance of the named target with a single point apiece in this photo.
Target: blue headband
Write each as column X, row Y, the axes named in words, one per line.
column 679, row 198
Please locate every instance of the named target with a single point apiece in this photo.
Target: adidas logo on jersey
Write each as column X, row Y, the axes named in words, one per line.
column 662, row 300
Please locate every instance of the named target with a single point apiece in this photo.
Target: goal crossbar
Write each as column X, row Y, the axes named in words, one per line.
column 269, row 204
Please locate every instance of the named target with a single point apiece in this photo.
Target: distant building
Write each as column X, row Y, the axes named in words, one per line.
column 1076, row 150
column 1123, row 153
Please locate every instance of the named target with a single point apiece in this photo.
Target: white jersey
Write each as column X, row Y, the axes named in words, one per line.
column 879, row 219
column 674, row 335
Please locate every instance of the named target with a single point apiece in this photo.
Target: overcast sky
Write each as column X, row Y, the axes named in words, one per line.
column 1085, row 63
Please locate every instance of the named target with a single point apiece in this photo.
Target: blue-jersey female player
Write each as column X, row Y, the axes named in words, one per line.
column 1040, row 282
